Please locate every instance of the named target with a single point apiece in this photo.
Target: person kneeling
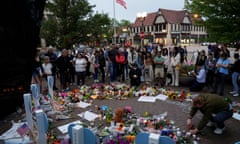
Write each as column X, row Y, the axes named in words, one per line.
column 135, row 75
column 215, row 109
column 199, row 78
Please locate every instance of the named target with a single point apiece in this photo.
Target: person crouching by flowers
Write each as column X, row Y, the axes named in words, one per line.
column 199, row 78
column 215, row 111
column 135, row 74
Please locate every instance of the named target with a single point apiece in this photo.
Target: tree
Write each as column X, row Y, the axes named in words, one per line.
column 70, row 21
column 62, row 27
column 221, row 18
column 99, row 28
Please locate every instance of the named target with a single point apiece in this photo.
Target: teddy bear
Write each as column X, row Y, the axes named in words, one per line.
column 118, row 116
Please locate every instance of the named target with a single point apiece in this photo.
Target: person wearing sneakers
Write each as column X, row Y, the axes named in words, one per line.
column 215, row 109
column 235, row 75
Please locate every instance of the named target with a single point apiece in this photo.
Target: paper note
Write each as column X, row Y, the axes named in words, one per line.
column 90, row 116
column 161, row 97
column 82, row 104
column 236, row 116
column 147, row 99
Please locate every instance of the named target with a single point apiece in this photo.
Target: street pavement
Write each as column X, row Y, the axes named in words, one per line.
column 177, row 111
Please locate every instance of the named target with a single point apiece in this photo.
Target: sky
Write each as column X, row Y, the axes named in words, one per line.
column 134, row 7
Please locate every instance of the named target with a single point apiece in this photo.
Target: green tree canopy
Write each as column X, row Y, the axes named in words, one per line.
column 221, row 18
column 70, row 21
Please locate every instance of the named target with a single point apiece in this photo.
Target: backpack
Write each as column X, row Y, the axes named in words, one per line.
column 120, row 59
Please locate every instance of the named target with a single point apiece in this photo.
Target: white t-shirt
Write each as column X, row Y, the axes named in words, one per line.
column 80, row 65
column 47, row 68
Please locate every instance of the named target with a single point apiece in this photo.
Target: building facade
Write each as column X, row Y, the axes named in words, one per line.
column 167, row 27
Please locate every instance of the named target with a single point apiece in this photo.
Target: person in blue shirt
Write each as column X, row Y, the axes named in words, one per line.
column 222, row 73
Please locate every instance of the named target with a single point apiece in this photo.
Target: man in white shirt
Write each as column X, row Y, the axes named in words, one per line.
column 200, row 78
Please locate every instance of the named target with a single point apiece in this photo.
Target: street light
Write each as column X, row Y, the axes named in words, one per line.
column 196, row 18
column 123, row 36
column 141, row 16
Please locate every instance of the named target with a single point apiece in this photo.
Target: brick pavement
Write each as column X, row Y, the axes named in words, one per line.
column 177, row 111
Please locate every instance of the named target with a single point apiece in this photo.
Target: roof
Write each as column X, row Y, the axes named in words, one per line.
column 149, row 20
column 171, row 16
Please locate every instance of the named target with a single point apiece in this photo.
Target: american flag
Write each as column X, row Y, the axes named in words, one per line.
column 23, row 129
column 122, row 3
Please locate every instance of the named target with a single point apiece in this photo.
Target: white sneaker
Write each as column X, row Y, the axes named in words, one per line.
column 219, row 131
column 236, row 94
column 210, row 124
column 232, row 92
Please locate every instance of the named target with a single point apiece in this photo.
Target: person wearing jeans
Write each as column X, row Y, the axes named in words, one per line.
column 215, row 109
column 235, row 75
column 223, row 70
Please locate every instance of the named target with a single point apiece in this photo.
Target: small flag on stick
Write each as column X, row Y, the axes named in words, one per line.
column 23, row 129
column 122, row 3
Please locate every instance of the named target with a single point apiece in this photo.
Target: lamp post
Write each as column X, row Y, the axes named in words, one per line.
column 196, row 17
column 141, row 16
column 123, row 36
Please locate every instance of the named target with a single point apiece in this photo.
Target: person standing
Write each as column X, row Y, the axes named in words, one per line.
column 140, row 64
column 37, row 69
column 102, row 65
column 201, row 58
column 210, row 65
column 112, row 62
column 215, row 109
column 53, row 57
column 222, row 73
column 80, row 64
column 159, row 68
column 175, row 66
column 47, row 67
column 148, row 68
column 64, row 64
column 235, row 75
column 120, row 64
column 72, row 70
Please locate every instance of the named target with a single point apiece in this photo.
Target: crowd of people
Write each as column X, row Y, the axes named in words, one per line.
column 157, row 65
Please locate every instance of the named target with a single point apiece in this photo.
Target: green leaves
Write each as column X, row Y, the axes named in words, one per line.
column 69, row 22
column 222, row 18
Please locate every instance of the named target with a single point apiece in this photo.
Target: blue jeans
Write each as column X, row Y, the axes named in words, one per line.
column 95, row 74
column 235, row 76
column 220, row 81
column 126, row 71
column 220, row 117
column 112, row 69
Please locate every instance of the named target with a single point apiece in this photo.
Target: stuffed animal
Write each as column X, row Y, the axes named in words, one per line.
column 118, row 115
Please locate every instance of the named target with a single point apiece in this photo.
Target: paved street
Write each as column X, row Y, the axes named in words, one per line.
column 177, row 111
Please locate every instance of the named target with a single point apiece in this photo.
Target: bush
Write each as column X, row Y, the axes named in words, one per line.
column 186, row 68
